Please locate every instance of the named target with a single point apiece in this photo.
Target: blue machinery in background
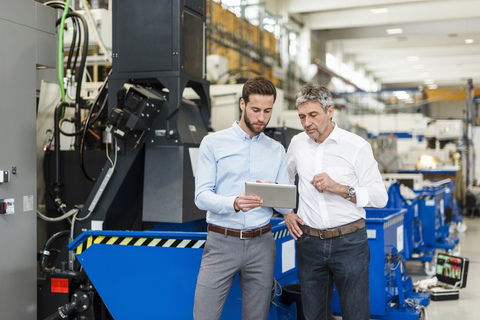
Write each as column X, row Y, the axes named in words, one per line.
column 431, row 222
column 426, row 226
column 152, row 274
column 453, row 210
column 435, row 230
column 415, row 248
column 391, row 292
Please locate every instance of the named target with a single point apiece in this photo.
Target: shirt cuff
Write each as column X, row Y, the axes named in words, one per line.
column 362, row 197
column 231, row 200
column 283, row 211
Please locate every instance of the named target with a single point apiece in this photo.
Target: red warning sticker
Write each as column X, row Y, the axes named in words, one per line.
column 59, row 285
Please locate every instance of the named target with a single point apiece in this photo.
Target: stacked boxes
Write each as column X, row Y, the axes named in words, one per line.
column 249, row 49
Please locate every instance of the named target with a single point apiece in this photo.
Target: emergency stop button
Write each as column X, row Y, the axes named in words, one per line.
column 7, row 206
column 3, row 207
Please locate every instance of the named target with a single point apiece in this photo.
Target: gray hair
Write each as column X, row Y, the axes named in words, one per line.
column 314, row 92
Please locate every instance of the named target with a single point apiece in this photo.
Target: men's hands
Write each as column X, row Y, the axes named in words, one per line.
column 292, row 221
column 323, row 182
column 260, row 181
column 246, row 202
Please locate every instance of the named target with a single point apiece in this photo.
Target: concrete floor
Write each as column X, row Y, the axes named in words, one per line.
column 468, row 304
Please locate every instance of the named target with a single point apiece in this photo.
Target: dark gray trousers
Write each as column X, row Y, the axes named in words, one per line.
column 224, row 257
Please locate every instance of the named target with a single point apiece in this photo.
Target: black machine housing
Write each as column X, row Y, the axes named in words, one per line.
column 158, row 52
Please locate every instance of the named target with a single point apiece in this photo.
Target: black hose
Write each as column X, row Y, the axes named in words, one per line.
column 80, row 18
column 64, row 310
column 46, row 176
column 72, row 45
column 55, row 316
column 58, row 112
column 102, row 93
column 77, row 48
column 104, row 88
column 46, row 250
column 82, row 144
column 79, row 76
column 44, row 260
column 61, row 6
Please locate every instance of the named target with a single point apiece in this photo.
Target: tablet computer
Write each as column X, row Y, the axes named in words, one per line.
column 274, row 195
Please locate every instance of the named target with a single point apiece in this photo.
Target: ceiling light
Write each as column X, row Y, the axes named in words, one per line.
column 379, row 10
column 394, row 31
column 418, row 66
column 413, row 58
column 468, row 41
column 424, row 74
column 429, row 81
column 432, row 86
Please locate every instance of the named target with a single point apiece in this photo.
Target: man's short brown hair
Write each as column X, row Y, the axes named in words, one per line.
column 258, row 85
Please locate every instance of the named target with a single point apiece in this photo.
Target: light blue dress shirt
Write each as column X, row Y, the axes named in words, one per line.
column 226, row 160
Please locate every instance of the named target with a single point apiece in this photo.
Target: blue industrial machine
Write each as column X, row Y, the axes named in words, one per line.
column 426, row 223
column 414, row 246
column 446, row 180
column 453, row 210
column 152, row 274
column 435, row 230
column 391, row 292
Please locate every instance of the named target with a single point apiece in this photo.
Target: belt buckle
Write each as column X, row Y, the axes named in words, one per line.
column 241, row 235
column 320, row 234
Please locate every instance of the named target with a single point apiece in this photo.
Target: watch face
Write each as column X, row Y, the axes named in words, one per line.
column 351, row 192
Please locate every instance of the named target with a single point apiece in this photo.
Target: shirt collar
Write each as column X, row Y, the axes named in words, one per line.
column 334, row 135
column 242, row 134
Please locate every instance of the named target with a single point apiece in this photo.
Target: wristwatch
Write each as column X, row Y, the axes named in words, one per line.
column 351, row 193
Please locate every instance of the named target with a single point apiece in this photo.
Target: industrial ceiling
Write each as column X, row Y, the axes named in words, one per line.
column 430, row 43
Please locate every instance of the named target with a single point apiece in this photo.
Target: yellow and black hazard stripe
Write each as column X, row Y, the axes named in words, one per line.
column 144, row 242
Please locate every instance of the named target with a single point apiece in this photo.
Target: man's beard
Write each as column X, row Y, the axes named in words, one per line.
column 252, row 127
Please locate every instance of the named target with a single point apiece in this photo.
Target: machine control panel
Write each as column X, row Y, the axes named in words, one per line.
column 4, row 176
column 7, row 206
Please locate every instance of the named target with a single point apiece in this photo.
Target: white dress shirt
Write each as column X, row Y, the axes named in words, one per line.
column 347, row 159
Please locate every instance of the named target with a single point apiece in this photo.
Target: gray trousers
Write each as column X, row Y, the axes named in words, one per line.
column 224, row 257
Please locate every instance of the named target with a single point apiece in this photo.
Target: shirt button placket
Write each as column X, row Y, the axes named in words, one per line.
column 319, row 160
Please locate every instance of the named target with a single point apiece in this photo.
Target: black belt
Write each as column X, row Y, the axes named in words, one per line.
column 334, row 232
column 242, row 234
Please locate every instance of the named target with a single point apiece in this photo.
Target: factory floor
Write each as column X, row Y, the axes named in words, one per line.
column 467, row 306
